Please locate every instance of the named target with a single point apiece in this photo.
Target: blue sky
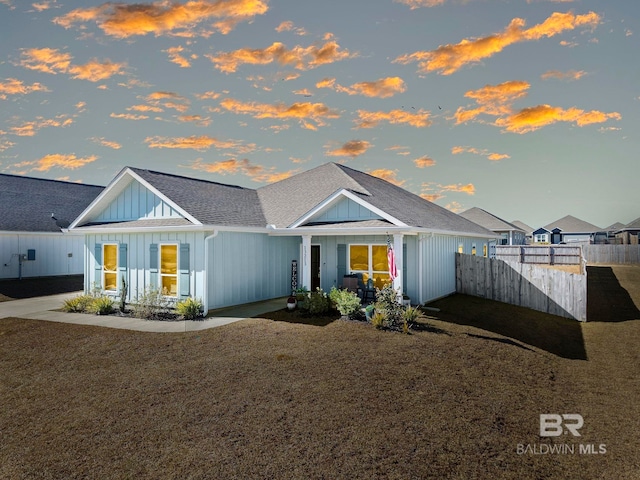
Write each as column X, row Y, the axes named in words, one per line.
column 528, row 109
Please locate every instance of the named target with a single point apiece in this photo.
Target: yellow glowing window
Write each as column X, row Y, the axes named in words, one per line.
column 473, row 249
column 460, row 248
column 110, row 267
column 169, row 269
column 484, row 251
column 371, row 262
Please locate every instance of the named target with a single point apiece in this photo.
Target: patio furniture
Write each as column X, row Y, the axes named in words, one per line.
column 350, row 283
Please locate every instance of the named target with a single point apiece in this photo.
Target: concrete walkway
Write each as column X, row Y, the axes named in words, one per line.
column 43, row 308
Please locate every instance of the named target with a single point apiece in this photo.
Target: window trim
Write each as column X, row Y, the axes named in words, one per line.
column 175, row 275
column 104, row 271
column 370, row 272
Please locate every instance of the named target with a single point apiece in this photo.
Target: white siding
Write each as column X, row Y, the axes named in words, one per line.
column 345, row 209
column 248, row 267
column 56, row 254
column 439, row 263
column 136, row 202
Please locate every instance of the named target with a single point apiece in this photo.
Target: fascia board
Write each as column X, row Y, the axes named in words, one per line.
column 334, row 198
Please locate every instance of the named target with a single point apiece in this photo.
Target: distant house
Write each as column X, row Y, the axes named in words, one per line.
column 229, row 245
column 565, row 230
column 629, row 234
column 33, row 214
column 509, row 234
column 528, row 231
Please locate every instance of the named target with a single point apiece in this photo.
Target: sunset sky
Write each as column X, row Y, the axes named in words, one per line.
column 529, row 109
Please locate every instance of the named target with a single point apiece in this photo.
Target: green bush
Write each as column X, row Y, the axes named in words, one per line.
column 379, row 320
column 346, row 302
column 151, row 304
column 316, row 303
column 79, row 304
column 411, row 314
column 387, row 303
column 189, row 309
column 102, row 306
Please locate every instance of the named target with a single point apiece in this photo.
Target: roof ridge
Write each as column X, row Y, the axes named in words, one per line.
column 192, row 179
column 66, row 182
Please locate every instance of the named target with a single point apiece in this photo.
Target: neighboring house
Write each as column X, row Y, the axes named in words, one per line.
column 509, row 234
column 565, row 230
column 229, row 245
column 528, row 231
column 33, row 214
column 629, row 234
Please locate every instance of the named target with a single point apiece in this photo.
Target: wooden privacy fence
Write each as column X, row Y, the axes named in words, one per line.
column 543, row 289
column 547, row 254
column 612, row 254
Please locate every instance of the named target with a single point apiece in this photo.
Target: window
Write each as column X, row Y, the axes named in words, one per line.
column 541, row 238
column 169, row 269
column 461, row 248
column 110, row 266
column 371, row 261
column 484, row 250
column 473, row 249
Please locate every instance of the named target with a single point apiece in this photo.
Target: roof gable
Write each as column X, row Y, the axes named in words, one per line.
column 27, row 203
column 571, row 224
column 489, row 220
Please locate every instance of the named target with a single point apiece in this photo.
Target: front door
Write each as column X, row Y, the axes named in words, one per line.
column 315, row 267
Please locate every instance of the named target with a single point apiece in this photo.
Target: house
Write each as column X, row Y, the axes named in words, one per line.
column 567, row 229
column 229, row 245
column 33, row 214
column 528, row 231
column 509, row 234
column 630, row 233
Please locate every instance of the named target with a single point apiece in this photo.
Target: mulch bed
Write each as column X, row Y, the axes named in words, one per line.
column 36, row 287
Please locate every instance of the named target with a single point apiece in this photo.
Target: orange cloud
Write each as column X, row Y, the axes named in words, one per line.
column 145, row 108
column 352, row 148
column 70, row 162
column 210, row 95
column 569, row 75
column 200, row 143
column 388, row 175
column 5, row 145
column 382, row 88
column 129, row 116
column 197, row 119
column 316, row 112
column 29, row 129
column 50, row 60
column 13, row 86
column 106, row 143
column 257, row 173
column 493, row 100
column 485, row 153
column 469, row 188
column 413, row 4
column 161, row 17
column 301, row 58
column 288, row 26
column 439, row 190
column 533, row 118
column 424, row 162
column 371, row 119
column 447, row 59
column 175, row 57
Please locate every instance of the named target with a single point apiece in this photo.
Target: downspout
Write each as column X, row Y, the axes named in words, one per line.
column 420, row 268
column 205, row 280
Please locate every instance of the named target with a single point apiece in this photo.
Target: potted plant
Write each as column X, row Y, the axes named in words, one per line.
column 291, row 302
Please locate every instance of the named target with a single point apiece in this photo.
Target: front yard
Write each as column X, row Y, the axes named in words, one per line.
column 273, row 399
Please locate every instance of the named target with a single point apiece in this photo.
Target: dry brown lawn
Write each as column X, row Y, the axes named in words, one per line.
column 284, row 400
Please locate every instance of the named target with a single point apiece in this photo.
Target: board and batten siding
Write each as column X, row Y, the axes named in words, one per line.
column 136, row 202
column 346, row 209
column 249, row 267
column 56, row 254
column 439, row 262
column 137, row 271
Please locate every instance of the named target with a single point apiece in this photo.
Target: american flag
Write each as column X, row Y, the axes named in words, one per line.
column 391, row 259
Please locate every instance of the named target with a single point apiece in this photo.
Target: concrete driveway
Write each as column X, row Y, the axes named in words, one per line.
column 44, row 308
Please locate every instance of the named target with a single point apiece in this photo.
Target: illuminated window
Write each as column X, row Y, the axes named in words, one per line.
column 371, row 261
column 460, row 248
column 484, row 250
column 473, row 249
column 169, row 269
column 110, row 267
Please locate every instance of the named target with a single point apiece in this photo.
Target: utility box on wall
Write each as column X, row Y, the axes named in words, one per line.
column 31, row 255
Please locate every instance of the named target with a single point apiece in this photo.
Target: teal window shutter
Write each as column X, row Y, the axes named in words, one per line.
column 341, row 262
column 184, row 270
column 122, row 258
column 98, row 266
column 153, row 265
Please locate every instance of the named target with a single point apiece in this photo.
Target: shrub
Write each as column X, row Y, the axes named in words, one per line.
column 379, row 320
column 387, row 304
column 102, row 306
column 189, row 309
column 346, row 302
column 411, row 314
column 79, row 304
column 316, row 303
column 151, row 304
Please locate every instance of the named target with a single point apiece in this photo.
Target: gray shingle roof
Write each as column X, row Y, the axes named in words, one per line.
column 211, row 203
column 571, row 224
column 26, row 203
column 286, row 201
column 488, row 220
column 523, row 226
column 633, row 225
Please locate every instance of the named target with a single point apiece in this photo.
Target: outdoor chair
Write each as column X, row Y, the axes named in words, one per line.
column 350, row 283
column 368, row 290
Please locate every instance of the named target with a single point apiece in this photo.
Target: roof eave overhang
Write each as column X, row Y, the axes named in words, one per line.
column 391, row 229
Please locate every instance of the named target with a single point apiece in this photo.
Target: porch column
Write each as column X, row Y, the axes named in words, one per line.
column 306, row 261
column 399, row 252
